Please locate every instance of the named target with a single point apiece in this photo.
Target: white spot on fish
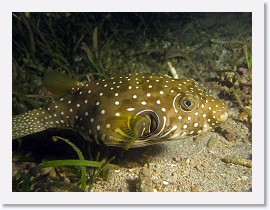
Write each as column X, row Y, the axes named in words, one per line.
column 78, row 105
column 103, row 137
column 134, row 96
column 196, row 125
column 163, row 109
column 102, row 111
column 143, row 103
column 161, row 92
column 108, row 125
column 130, row 109
column 185, row 126
column 158, row 101
column 116, row 103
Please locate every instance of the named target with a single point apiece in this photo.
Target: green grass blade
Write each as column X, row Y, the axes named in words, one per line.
column 80, row 155
column 72, row 162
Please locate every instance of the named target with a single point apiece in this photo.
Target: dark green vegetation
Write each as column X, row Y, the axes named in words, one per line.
column 95, row 168
column 89, row 46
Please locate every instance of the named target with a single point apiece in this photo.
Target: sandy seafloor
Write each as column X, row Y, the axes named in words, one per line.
column 196, row 163
column 191, row 164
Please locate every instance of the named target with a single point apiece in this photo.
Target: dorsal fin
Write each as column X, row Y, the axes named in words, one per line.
column 59, row 84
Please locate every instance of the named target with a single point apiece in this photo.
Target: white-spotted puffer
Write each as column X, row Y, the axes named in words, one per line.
column 128, row 111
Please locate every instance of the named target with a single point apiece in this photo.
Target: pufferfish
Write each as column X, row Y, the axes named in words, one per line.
column 130, row 111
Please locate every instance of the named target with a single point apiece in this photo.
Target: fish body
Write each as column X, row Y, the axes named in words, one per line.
column 129, row 111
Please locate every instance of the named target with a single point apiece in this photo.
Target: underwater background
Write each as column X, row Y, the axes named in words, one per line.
column 212, row 48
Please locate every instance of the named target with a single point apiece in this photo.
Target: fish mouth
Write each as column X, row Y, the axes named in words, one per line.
column 154, row 122
column 223, row 117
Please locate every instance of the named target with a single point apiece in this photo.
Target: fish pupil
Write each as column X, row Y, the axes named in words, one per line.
column 188, row 103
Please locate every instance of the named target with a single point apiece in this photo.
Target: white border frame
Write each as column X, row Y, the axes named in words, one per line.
column 257, row 196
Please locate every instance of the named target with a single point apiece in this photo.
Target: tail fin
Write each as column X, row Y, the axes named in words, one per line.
column 31, row 122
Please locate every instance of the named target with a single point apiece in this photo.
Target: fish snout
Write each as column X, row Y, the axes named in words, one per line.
column 216, row 109
column 223, row 117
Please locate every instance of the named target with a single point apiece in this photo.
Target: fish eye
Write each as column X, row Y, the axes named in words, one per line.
column 188, row 103
column 185, row 102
